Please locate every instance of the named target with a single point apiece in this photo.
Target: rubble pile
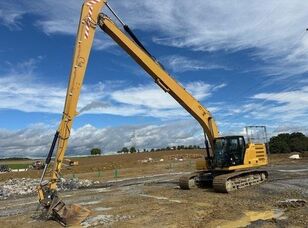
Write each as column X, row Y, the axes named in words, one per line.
column 27, row 186
column 183, row 156
column 75, row 183
column 291, row 203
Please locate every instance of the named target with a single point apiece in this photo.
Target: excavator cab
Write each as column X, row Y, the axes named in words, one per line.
column 229, row 151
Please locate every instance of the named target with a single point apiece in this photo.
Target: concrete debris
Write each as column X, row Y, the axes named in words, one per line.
column 90, row 202
column 291, row 203
column 183, row 156
column 295, row 156
column 75, row 183
column 19, row 170
column 104, row 219
column 103, row 209
column 146, row 160
column 4, row 169
column 27, row 186
column 161, row 198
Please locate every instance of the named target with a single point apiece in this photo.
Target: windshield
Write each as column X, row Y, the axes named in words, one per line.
column 229, row 151
column 220, row 145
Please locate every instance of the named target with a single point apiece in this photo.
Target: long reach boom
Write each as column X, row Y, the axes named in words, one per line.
column 90, row 18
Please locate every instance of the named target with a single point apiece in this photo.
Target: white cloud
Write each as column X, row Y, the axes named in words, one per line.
column 273, row 29
column 182, row 64
column 10, row 15
column 35, row 140
column 32, row 141
column 284, row 106
column 149, row 96
column 102, row 43
column 277, row 110
column 101, row 98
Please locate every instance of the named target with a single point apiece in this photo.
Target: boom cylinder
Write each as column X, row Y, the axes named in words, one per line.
column 48, row 158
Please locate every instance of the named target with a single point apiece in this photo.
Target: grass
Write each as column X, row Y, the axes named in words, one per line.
column 18, row 166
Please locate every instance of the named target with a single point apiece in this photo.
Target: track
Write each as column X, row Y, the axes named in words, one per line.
column 233, row 181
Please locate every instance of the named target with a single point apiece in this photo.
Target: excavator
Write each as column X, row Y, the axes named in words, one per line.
column 230, row 162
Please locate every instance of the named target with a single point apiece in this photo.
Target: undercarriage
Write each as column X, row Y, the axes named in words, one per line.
column 222, row 180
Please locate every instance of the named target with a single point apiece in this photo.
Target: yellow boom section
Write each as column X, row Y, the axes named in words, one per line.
column 86, row 30
column 162, row 78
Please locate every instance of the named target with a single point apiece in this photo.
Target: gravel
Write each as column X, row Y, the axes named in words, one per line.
column 27, row 186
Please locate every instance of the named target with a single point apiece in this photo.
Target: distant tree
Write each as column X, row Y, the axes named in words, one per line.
column 277, row 145
column 125, row 150
column 96, row 151
column 168, row 148
column 132, row 150
column 285, row 143
column 152, row 150
column 190, row 147
column 298, row 142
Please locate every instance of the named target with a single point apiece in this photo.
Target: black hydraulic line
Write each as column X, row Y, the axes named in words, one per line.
column 131, row 34
column 114, row 13
column 137, row 41
column 48, row 159
column 54, row 141
column 208, row 155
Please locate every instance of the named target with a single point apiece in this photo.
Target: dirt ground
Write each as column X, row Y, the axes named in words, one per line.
column 147, row 195
column 108, row 163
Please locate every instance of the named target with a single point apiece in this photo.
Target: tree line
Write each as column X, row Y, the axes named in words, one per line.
column 126, row 150
column 132, row 149
column 286, row 143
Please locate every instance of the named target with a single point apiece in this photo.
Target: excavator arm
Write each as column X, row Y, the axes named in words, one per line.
column 89, row 19
column 47, row 193
column 161, row 77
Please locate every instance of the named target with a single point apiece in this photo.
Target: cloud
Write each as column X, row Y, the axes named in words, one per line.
column 110, row 97
column 284, row 106
column 32, row 141
column 274, row 30
column 35, row 140
column 182, row 64
column 10, row 15
column 277, row 110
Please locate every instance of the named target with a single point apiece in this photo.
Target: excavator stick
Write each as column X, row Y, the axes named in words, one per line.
column 53, row 206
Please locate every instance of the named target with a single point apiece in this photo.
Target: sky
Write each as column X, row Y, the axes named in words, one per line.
column 244, row 60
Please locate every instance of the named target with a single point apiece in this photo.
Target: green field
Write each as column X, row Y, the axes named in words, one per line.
column 18, row 166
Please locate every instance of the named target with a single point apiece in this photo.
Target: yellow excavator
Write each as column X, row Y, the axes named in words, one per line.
column 230, row 162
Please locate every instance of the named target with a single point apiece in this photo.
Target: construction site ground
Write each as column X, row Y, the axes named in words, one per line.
column 141, row 190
